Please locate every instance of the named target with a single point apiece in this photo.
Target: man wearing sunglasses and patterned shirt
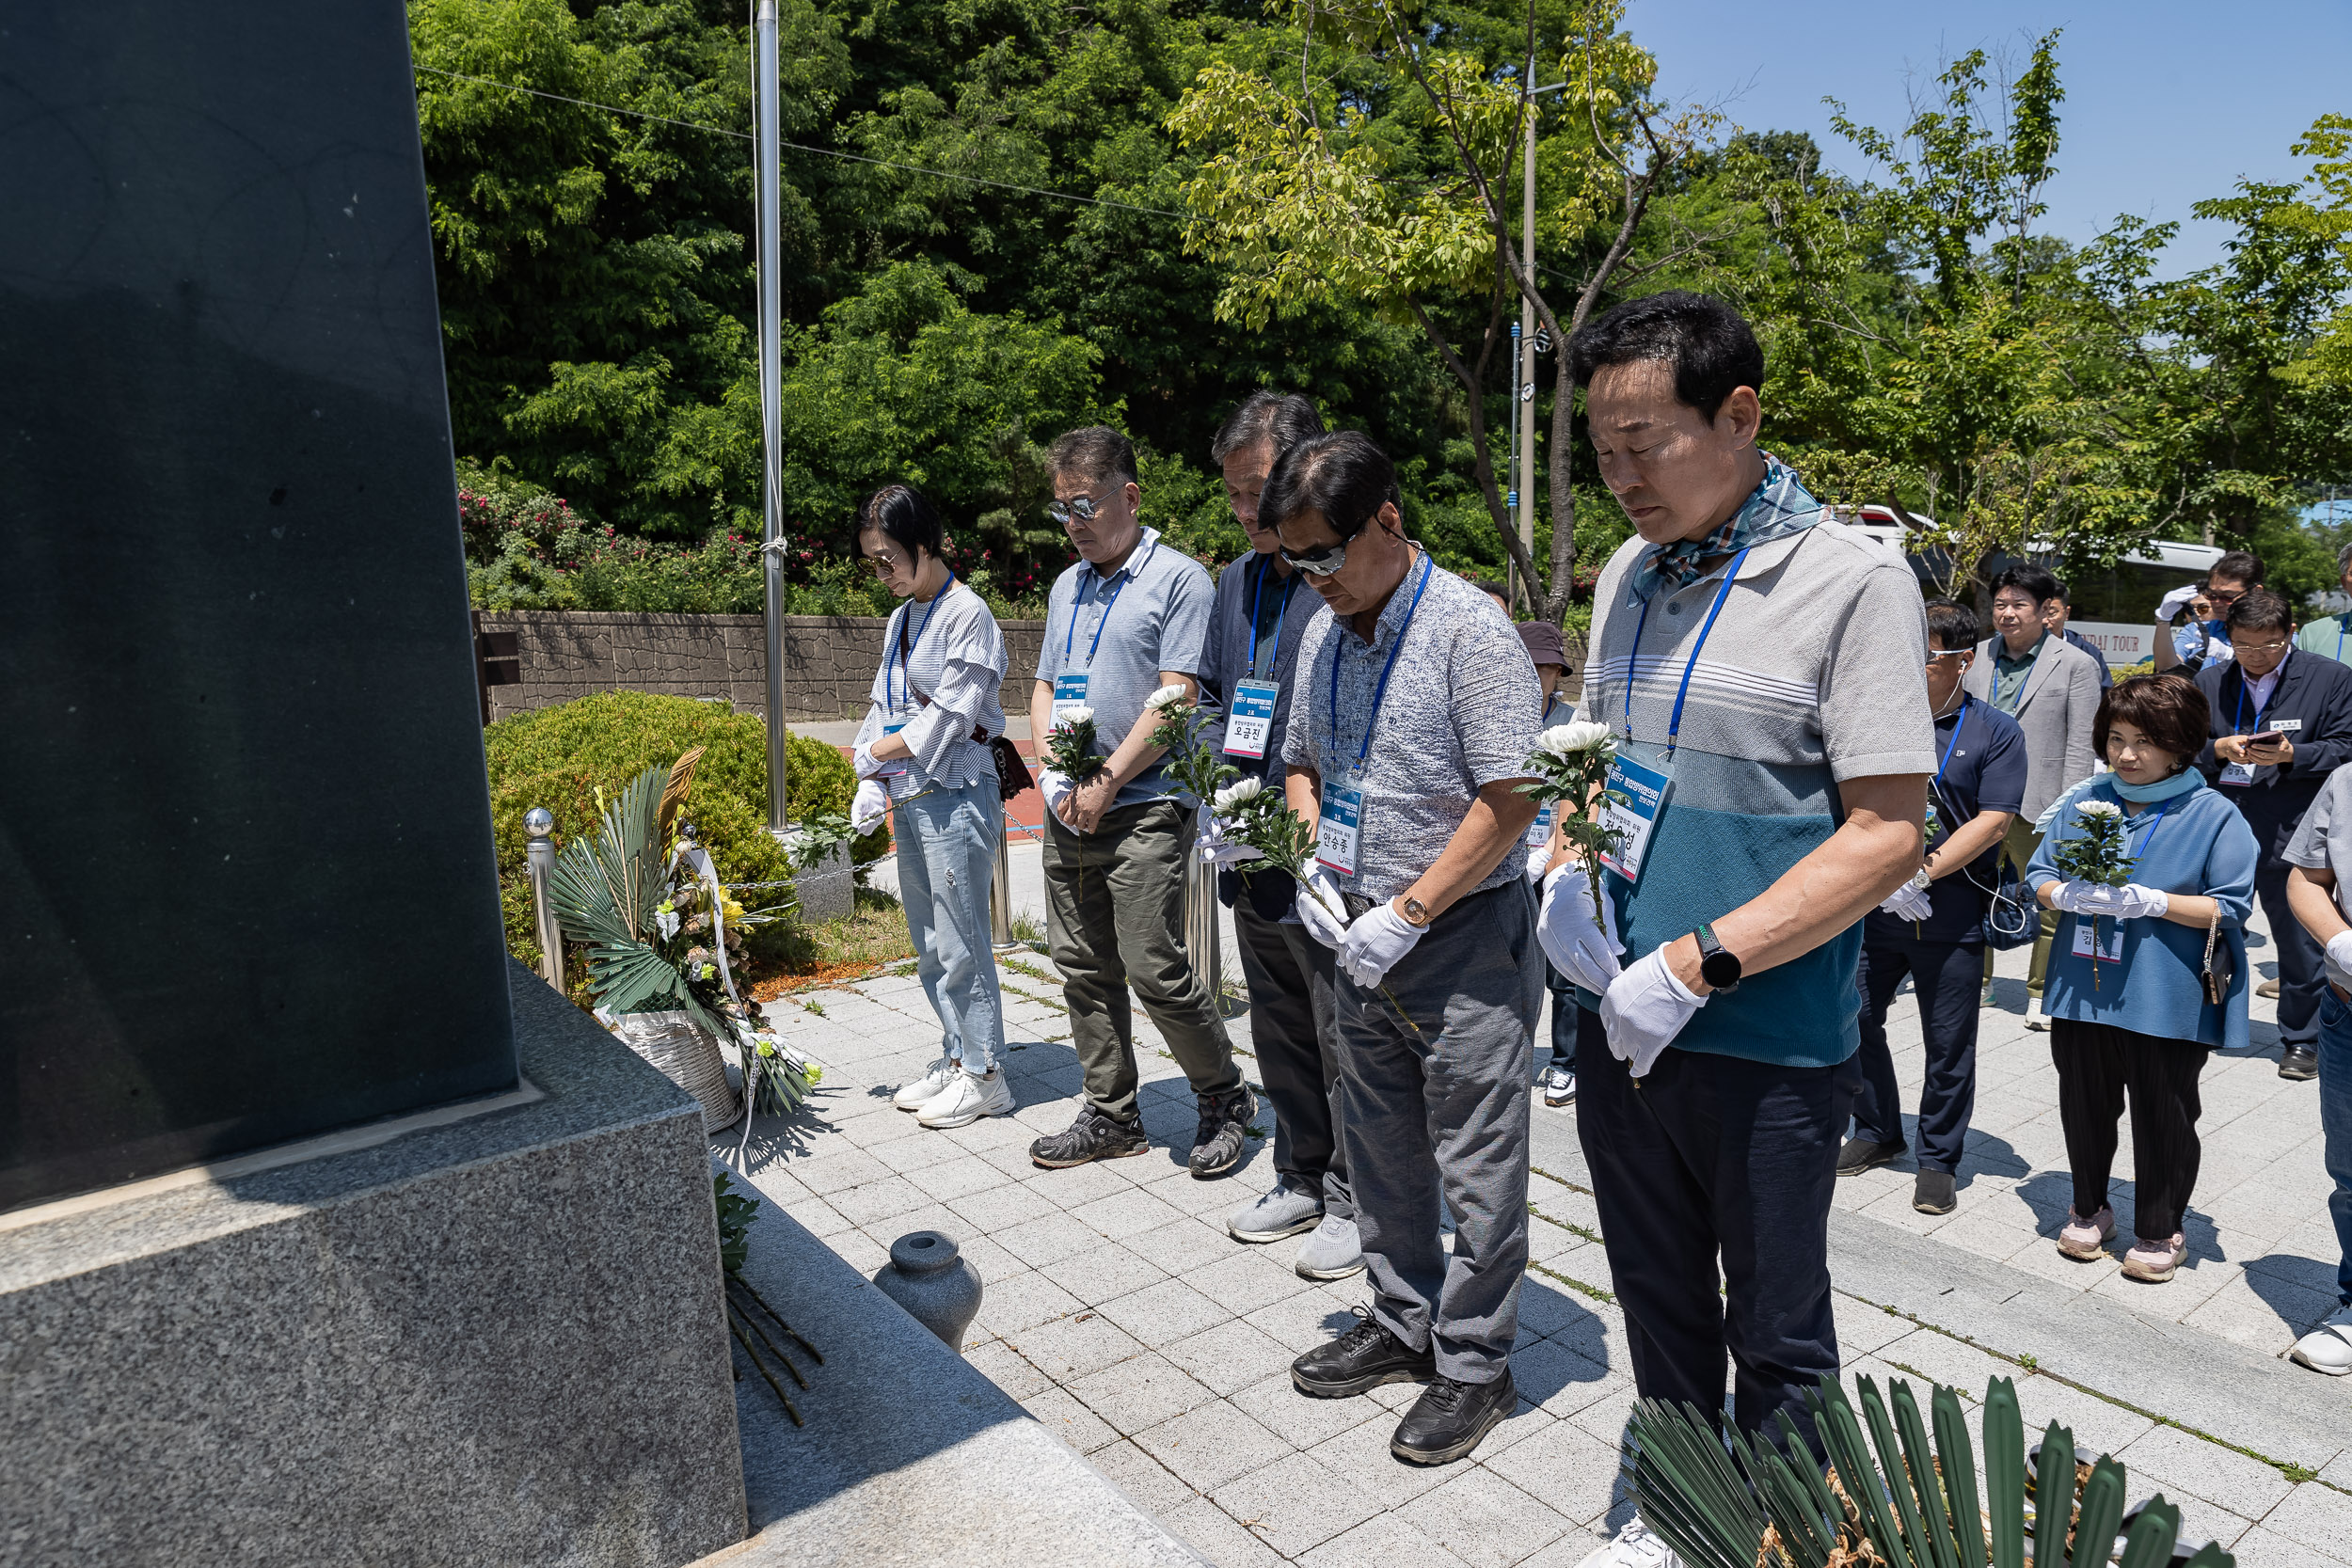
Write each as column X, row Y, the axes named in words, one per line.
column 1417, row 710
column 1127, row 619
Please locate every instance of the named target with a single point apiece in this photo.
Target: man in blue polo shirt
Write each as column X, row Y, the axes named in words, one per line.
column 1761, row 669
column 1932, row 927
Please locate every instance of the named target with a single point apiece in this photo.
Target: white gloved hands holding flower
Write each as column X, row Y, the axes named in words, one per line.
column 1645, row 1009
column 1318, row 899
column 2129, row 902
column 1376, row 941
column 868, row 806
column 1572, row 936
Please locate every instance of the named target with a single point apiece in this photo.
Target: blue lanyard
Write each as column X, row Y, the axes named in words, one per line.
column 1428, row 565
column 2153, row 823
column 1288, row 589
column 2238, row 721
column 1674, row 725
column 1959, row 723
column 906, row 649
column 1109, row 605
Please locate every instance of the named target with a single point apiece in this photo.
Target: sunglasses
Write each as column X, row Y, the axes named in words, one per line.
column 1321, row 563
column 1080, row 507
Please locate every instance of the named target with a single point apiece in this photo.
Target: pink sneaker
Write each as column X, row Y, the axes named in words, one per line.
column 2086, row 1240
column 2153, row 1262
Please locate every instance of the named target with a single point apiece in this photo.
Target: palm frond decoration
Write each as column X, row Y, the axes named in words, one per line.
column 604, row 889
column 674, row 793
column 1721, row 1499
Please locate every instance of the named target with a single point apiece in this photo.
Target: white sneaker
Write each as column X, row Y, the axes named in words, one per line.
column 1634, row 1548
column 934, row 1082
column 967, row 1099
column 2328, row 1347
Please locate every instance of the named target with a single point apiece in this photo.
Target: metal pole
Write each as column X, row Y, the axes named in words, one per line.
column 1525, row 357
column 1000, row 891
column 765, row 77
column 539, row 855
column 1204, row 942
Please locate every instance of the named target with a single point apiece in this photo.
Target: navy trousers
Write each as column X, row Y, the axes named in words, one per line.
column 1714, row 1158
column 2302, row 977
column 1948, row 977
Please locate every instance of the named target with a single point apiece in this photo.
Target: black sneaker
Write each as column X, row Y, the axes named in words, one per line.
column 1218, row 1147
column 1359, row 1361
column 1093, row 1136
column 1450, row 1418
column 2299, row 1062
column 1934, row 1192
column 1861, row 1154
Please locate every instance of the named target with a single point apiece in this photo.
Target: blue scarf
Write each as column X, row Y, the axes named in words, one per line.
column 2163, row 789
column 1779, row 506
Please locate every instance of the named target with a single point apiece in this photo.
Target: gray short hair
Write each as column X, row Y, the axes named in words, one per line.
column 1094, row 452
column 1282, row 418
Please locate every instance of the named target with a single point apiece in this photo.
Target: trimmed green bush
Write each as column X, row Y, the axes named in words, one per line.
column 559, row 757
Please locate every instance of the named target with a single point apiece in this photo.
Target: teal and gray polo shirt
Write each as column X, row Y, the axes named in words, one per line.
column 1813, row 674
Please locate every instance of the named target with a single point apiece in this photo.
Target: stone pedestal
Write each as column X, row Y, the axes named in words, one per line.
column 493, row 1336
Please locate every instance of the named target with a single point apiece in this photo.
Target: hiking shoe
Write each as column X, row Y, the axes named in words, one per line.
column 2299, row 1062
column 1287, row 1211
column 1861, row 1154
column 1934, row 1192
column 1223, row 1137
column 2268, row 988
column 1450, row 1418
column 1093, row 1136
column 967, row 1099
column 922, row 1091
column 2086, row 1240
column 2328, row 1347
column 1559, row 1086
column 1359, row 1361
column 1634, row 1548
column 1333, row 1252
column 2153, row 1262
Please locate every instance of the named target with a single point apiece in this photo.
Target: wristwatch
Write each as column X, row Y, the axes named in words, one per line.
column 1718, row 965
column 1416, row 913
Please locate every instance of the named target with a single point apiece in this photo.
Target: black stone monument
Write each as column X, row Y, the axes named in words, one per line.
column 247, row 890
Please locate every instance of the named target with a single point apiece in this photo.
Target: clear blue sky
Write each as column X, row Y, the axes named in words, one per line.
column 2166, row 103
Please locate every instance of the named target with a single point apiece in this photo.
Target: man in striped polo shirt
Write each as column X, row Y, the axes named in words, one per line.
column 1761, row 670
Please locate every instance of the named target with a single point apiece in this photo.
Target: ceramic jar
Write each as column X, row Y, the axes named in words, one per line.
column 928, row 1276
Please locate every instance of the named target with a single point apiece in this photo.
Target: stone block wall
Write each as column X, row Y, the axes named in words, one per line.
column 828, row 660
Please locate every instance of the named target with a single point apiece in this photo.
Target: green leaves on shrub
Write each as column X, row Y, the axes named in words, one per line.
column 559, row 757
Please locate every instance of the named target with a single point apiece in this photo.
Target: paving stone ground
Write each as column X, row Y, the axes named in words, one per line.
column 1120, row 1314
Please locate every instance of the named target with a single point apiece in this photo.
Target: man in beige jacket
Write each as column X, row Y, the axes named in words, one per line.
column 2051, row 689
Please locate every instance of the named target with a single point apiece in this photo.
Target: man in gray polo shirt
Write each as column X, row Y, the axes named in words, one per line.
column 1130, row 617
column 1417, row 713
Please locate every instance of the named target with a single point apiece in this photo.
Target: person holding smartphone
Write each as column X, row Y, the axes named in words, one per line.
column 2281, row 721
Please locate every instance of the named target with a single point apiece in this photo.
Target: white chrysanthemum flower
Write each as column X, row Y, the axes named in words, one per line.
column 1167, row 696
column 1238, row 791
column 2099, row 808
column 1072, row 717
column 1579, row 735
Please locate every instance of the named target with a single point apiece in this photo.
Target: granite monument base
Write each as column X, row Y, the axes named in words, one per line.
column 494, row 1335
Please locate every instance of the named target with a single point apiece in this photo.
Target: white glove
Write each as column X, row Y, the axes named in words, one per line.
column 1576, row 943
column 1376, row 941
column 1909, row 902
column 1217, row 849
column 2129, row 902
column 2176, row 601
column 2068, row 895
column 1315, row 914
column 1645, row 1009
column 868, row 766
column 1054, row 787
column 1536, row 859
column 2339, row 951
column 870, row 805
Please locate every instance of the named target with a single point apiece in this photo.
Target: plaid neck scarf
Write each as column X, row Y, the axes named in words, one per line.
column 1779, row 507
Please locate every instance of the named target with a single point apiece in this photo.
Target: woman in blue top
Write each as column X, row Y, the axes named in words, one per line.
column 2133, row 1017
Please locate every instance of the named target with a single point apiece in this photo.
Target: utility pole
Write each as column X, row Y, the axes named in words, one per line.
column 1522, row 497
column 767, row 177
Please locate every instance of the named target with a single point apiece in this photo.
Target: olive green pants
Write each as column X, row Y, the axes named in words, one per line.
column 2017, row 847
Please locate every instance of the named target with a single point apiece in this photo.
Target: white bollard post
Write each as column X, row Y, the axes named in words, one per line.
column 540, row 857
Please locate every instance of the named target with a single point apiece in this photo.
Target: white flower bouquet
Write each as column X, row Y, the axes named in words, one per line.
column 1070, row 746
column 1571, row 767
column 2100, row 855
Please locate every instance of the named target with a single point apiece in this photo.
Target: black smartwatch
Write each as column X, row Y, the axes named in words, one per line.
column 1718, row 965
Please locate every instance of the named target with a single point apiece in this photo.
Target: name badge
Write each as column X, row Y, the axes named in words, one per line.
column 2237, row 773
column 894, row 729
column 1635, row 796
column 1336, row 832
column 2111, row 943
column 1540, row 831
column 1249, row 721
column 1069, row 692
column 2287, row 726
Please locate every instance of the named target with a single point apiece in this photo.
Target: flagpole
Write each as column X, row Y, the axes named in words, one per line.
column 767, row 157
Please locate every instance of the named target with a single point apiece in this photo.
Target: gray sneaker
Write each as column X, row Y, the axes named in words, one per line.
column 1219, row 1145
column 1333, row 1252
column 1284, row 1212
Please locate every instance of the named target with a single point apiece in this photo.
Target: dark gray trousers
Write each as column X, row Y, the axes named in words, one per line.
column 1291, row 1029
column 1433, row 1107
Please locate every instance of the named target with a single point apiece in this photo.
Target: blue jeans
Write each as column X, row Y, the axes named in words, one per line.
column 2335, row 1125
column 947, row 861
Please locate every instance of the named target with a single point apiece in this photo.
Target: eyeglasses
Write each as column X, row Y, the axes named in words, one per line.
column 1321, row 563
column 2258, row 648
column 2225, row 595
column 1951, row 653
column 883, row 562
column 1080, row 507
